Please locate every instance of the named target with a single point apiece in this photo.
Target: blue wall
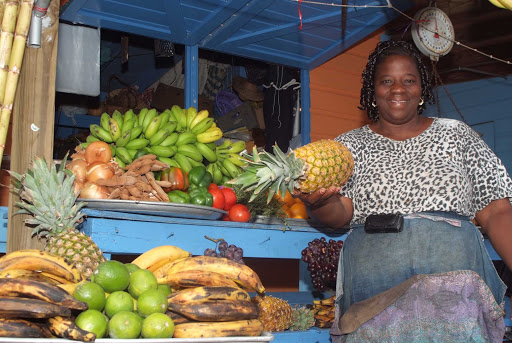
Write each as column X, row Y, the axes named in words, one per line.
column 487, row 107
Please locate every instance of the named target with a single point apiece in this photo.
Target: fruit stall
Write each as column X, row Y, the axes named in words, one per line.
column 166, row 192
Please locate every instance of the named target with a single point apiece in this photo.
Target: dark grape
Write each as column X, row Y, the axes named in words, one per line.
column 229, row 251
column 223, row 245
column 321, row 256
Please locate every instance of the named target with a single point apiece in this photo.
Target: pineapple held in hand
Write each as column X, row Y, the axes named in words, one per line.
column 48, row 195
column 320, row 164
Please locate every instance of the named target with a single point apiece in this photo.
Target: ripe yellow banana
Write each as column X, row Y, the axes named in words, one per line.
column 26, row 274
column 30, row 308
column 190, row 116
column 195, row 278
column 66, row 328
column 33, row 259
column 161, row 272
column 240, row 273
column 198, row 294
column 506, row 3
column 328, row 301
column 216, row 310
column 21, row 328
column 252, row 327
column 201, row 115
column 26, row 288
column 210, row 135
column 157, row 257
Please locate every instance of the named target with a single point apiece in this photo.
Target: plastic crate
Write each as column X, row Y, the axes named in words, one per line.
column 226, row 102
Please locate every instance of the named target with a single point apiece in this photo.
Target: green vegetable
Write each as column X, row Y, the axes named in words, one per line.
column 200, row 196
column 199, row 176
column 179, row 197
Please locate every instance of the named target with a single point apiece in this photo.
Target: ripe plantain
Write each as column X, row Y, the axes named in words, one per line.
column 239, row 273
column 11, row 307
column 33, row 259
column 21, row 328
column 252, row 327
column 27, row 274
column 216, row 310
column 198, row 294
column 66, row 328
column 158, row 256
column 195, row 278
column 26, row 288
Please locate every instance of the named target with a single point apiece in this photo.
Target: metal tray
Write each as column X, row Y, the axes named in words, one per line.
column 166, row 209
column 265, row 337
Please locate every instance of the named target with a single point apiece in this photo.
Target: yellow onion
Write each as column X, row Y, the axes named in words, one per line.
column 79, row 168
column 93, row 191
column 99, row 170
column 98, row 151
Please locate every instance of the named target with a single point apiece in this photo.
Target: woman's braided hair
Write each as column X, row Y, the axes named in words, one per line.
column 381, row 52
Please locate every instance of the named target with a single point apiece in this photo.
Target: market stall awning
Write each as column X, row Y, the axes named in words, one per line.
column 296, row 33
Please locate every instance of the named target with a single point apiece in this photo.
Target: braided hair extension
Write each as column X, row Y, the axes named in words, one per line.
column 377, row 56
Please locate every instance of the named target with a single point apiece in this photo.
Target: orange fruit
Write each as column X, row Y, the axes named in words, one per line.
column 288, row 199
column 298, row 211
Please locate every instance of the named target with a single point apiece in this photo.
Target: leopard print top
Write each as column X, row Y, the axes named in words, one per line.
column 448, row 167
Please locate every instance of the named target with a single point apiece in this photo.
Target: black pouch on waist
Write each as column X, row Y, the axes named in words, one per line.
column 384, row 223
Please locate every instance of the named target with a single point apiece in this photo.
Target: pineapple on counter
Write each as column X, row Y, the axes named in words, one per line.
column 303, row 318
column 275, row 314
column 48, row 195
column 323, row 163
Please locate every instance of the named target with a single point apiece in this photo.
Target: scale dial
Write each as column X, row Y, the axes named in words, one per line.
column 433, row 32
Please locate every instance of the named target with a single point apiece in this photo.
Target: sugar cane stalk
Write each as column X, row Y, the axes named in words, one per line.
column 6, row 38
column 2, row 6
column 15, row 61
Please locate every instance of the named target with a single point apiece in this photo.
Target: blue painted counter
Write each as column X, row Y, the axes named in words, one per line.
column 124, row 233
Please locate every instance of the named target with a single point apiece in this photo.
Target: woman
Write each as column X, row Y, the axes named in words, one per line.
column 439, row 175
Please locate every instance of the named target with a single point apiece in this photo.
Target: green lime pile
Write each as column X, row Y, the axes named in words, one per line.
column 124, row 302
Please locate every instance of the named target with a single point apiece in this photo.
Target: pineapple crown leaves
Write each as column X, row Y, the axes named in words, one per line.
column 275, row 172
column 48, row 195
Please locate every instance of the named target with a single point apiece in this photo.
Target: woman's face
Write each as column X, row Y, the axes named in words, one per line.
column 397, row 89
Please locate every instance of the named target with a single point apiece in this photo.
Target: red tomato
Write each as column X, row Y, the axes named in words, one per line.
column 229, row 196
column 239, row 213
column 218, row 198
column 212, row 186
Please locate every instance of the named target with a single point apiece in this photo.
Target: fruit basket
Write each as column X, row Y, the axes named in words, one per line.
column 265, row 337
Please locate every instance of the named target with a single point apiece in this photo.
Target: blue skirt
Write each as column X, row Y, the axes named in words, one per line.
column 430, row 242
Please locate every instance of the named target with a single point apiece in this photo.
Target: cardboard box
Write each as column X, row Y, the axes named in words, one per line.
column 167, row 96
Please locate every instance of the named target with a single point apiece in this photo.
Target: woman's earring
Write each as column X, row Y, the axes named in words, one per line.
column 374, row 104
column 421, row 102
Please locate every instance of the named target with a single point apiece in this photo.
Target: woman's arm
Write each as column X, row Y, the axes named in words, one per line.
column 496, row 221
column 328, row 207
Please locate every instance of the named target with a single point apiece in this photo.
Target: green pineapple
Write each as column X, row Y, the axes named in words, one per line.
column 316, row 165
column 48, row 195
column 303, row 318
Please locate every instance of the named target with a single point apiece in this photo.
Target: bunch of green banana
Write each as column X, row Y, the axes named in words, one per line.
column 229, row 163
column 179, row 137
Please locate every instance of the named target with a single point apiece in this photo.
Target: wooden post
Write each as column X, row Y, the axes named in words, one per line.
column 33, row 120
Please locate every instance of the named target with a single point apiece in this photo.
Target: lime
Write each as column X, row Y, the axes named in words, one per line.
column 140, row 281
column 131, row 267
column 92, row 294
column 112, row 276
column 165, row 289
column 117, row 302
column 93, row 321
column 151, row 301
column 125, row 325
column 157, row 325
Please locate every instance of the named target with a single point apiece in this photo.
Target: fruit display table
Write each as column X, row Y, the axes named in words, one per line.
column 125, row 233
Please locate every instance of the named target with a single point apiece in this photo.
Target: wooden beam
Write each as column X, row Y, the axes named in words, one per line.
column 33, row 120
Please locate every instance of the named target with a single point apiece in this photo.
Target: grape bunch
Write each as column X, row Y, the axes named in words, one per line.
column 322, row 259
column 231, row 251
